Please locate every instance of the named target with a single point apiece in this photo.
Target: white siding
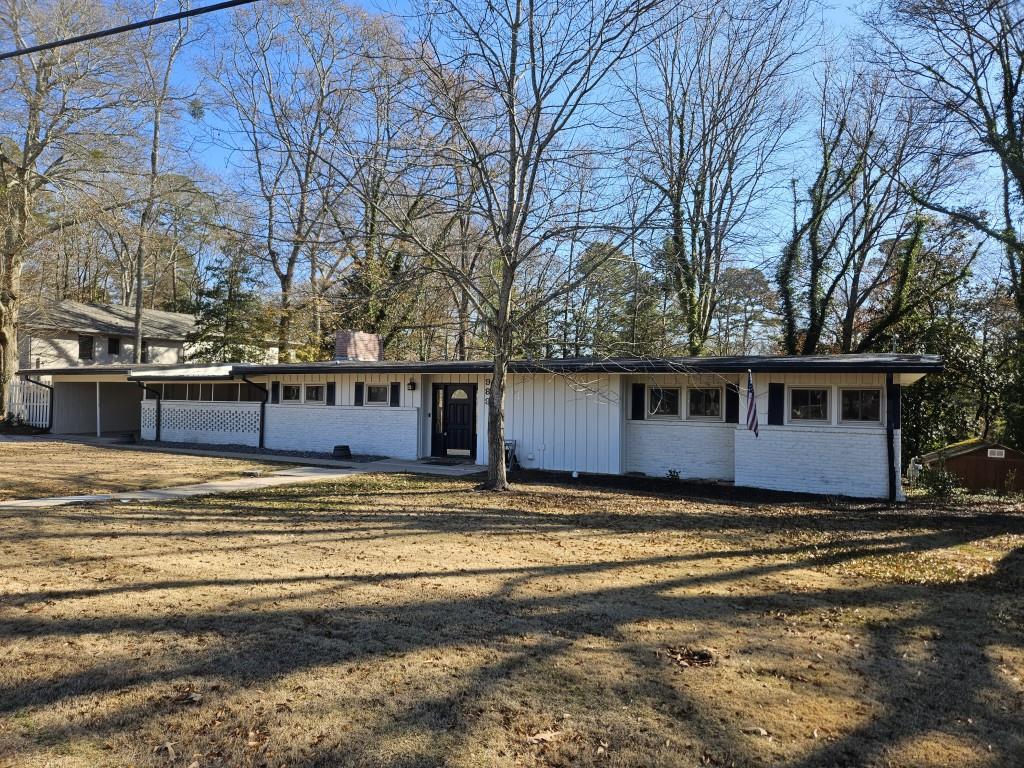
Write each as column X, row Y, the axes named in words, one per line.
column 61, row 350
column 565, row 423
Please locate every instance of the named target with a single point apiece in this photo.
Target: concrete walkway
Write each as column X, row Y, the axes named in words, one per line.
column 319, row 470
column 272, row 480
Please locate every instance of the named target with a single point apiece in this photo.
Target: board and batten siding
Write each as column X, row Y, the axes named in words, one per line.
column 565, row 423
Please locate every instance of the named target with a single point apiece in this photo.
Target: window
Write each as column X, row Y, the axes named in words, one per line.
column 85, row 347
column 145, row 351
column 314, row 393
column 808, row 405
column 861, row 405
column 176, row 391
column 662, row 401
column 376, row 394
column 225, row 393
column 291, row 393
column 114, row 346
column 705, row 403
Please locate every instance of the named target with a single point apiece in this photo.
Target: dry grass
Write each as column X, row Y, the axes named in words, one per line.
column 413, row 622
column 38, row 468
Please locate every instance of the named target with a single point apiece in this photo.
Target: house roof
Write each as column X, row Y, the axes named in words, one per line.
column 864, row 363
column 880, row 363
column 107, row 319
column 962, row 448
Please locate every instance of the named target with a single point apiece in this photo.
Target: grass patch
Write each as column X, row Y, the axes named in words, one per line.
column 409, row 621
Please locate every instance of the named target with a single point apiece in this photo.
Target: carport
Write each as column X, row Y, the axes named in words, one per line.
column 98, row 405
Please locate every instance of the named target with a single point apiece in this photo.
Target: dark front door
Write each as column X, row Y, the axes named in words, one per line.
column 460, row 422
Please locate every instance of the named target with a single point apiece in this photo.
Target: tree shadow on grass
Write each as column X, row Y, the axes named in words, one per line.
column 956, row 689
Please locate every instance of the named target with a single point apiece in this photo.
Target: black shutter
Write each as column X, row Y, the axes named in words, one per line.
column 275, row 391
column 637, row 406
column 893, row 405
column 396, row 394
column 330, row 393
column 359, row 393
column 776, row 403
column 732, row 404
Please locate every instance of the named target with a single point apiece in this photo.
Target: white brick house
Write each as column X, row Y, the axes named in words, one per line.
column 827, row 425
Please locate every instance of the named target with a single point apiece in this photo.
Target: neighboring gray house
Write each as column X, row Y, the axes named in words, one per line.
column 73, row 334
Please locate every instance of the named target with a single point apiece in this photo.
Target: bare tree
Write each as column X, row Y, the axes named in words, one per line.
column 714, row 97
column 538, row 72
column 62, row 121
column 156, row 58
column 962, row 63
column 860, row 233
column 289, row 72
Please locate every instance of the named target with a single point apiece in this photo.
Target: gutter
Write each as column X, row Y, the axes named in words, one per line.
column 263, row 407
column 159, row 405
column 890, row 436
column 49, row 417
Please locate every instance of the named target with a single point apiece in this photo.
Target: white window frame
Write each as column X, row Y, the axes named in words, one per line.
column 810, row 422
column 387, row 395
column 323, row 394
column 680, row 401
column 721, row 406
column 858, row 422
column 289, row 400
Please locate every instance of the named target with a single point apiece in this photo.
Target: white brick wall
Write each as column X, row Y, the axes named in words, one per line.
column 696, row 450
column 379, row 430
column 840, row 461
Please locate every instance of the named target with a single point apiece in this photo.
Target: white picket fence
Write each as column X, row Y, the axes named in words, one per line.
column 31, row 403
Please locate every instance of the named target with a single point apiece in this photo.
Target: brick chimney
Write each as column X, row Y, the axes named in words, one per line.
column 357, row 345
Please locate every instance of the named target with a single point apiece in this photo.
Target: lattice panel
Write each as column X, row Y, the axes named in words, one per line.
column 148, row 418
column 185, row 419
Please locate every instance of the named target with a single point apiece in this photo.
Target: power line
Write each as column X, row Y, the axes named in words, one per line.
column 126, row 28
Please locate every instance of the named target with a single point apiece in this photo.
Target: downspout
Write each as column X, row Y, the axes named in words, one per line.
column 890, row 435
column 159, row 404
column 49, row 416
column 263, row 406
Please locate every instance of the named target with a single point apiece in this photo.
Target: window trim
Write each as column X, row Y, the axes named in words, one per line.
column 374, row 403
column 323, row 394
column 827, row 388
column 858, row 422
column 664, row 416
column 721, row 405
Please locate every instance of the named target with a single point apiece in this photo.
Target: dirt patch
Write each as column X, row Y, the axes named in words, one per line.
column 38, row 468
column 413, row 622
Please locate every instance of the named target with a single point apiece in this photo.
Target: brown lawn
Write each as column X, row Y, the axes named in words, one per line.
column 418, row 622
column 38, row 468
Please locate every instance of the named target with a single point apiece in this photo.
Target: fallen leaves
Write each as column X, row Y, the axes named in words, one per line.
column 544, row 737
column 685, row 656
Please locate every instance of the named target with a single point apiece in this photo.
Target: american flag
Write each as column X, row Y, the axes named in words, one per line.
column 751, row 405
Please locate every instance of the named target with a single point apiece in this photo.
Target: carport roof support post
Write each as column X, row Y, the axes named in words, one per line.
column 99, row 420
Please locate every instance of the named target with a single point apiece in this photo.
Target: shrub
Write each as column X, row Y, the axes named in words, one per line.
column 939, row 483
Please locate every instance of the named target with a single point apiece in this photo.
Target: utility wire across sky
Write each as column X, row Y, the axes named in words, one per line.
column 126, row 28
